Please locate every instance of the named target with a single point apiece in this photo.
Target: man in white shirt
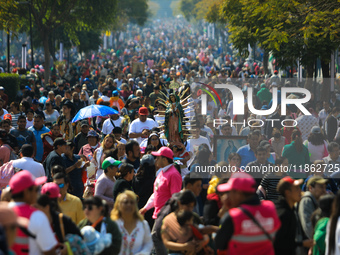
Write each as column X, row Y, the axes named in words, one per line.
column 117, row 132
column 26, row 162
column 114, row 121
column 194, row 143
column 119, row 80
column 323, row 114
column 140, row 128
column 24, row 190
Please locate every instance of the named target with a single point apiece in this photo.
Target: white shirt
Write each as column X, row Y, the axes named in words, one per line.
column 159, row 119
column 40, row 227
column 211, row 108
column 316, row 152
column 305, row 124
column 51, row 117
column 108, row 127
column 323, row 116
column 230, row 109
column 189, row 112
column 137, row 127
column 207, row 129
column 5, row 112
column 222, row 113
column 26, row 163
column 138, row 242
column 192, row 147
column 29, row 123
column 122, row 140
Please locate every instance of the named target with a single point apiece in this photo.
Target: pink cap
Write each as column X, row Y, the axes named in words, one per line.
column 51, row 189
column 24, row 180
column 164, row 152
column 239, row 181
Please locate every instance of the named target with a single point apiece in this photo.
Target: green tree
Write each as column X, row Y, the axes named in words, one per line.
column 291, row 30
column 70, row 15
column 187, row 8
column 9, row 17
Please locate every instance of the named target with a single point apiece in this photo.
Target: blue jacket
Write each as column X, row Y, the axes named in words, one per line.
column 39, row 142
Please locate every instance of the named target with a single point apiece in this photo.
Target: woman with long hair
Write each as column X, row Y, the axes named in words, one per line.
column 333, row 229
column 51, row 115
column 124, row 177
column 155, row 141
column 67, row 128
column 15, row 113
column 60, row 223
column 202, row 161
column 296, row 153
column 119, row 152
column 24, row 106
column 108, row 143
column 331, row 124
column 96, row 213
column 142, row 184
column 320, row 219
column 277, row 141
column 316, row 144
column 136, row 235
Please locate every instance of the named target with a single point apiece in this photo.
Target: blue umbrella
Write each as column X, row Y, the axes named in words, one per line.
column 93, row 111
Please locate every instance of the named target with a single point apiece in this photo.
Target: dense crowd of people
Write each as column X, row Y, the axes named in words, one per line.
column 136, row 182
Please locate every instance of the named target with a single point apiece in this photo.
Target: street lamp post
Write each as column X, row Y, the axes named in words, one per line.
column 31, row 37
column 29, row 3
column 8, row 51
column 23, row 56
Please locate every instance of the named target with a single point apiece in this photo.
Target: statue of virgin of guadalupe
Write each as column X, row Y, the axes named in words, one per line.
column 174, row 115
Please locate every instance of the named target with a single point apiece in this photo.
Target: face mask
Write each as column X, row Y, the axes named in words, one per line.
column 93, row 147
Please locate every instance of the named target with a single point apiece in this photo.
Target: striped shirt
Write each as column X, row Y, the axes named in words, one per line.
column 15, row 119
column 269, row 183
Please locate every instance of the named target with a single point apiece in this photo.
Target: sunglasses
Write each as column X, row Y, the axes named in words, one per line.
column 61, row 185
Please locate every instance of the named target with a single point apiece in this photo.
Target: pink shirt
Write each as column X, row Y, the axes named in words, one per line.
column 168, row 182
column 87, row 151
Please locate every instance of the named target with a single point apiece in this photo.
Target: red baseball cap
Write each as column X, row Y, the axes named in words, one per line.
column 164, row 152
column 24, row 180
column 8, row 117
column 143, row 111
column 239, row 181
column 51, row 189
column 292, row 181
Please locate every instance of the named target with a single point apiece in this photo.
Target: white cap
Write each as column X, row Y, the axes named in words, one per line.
column 131, row 79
